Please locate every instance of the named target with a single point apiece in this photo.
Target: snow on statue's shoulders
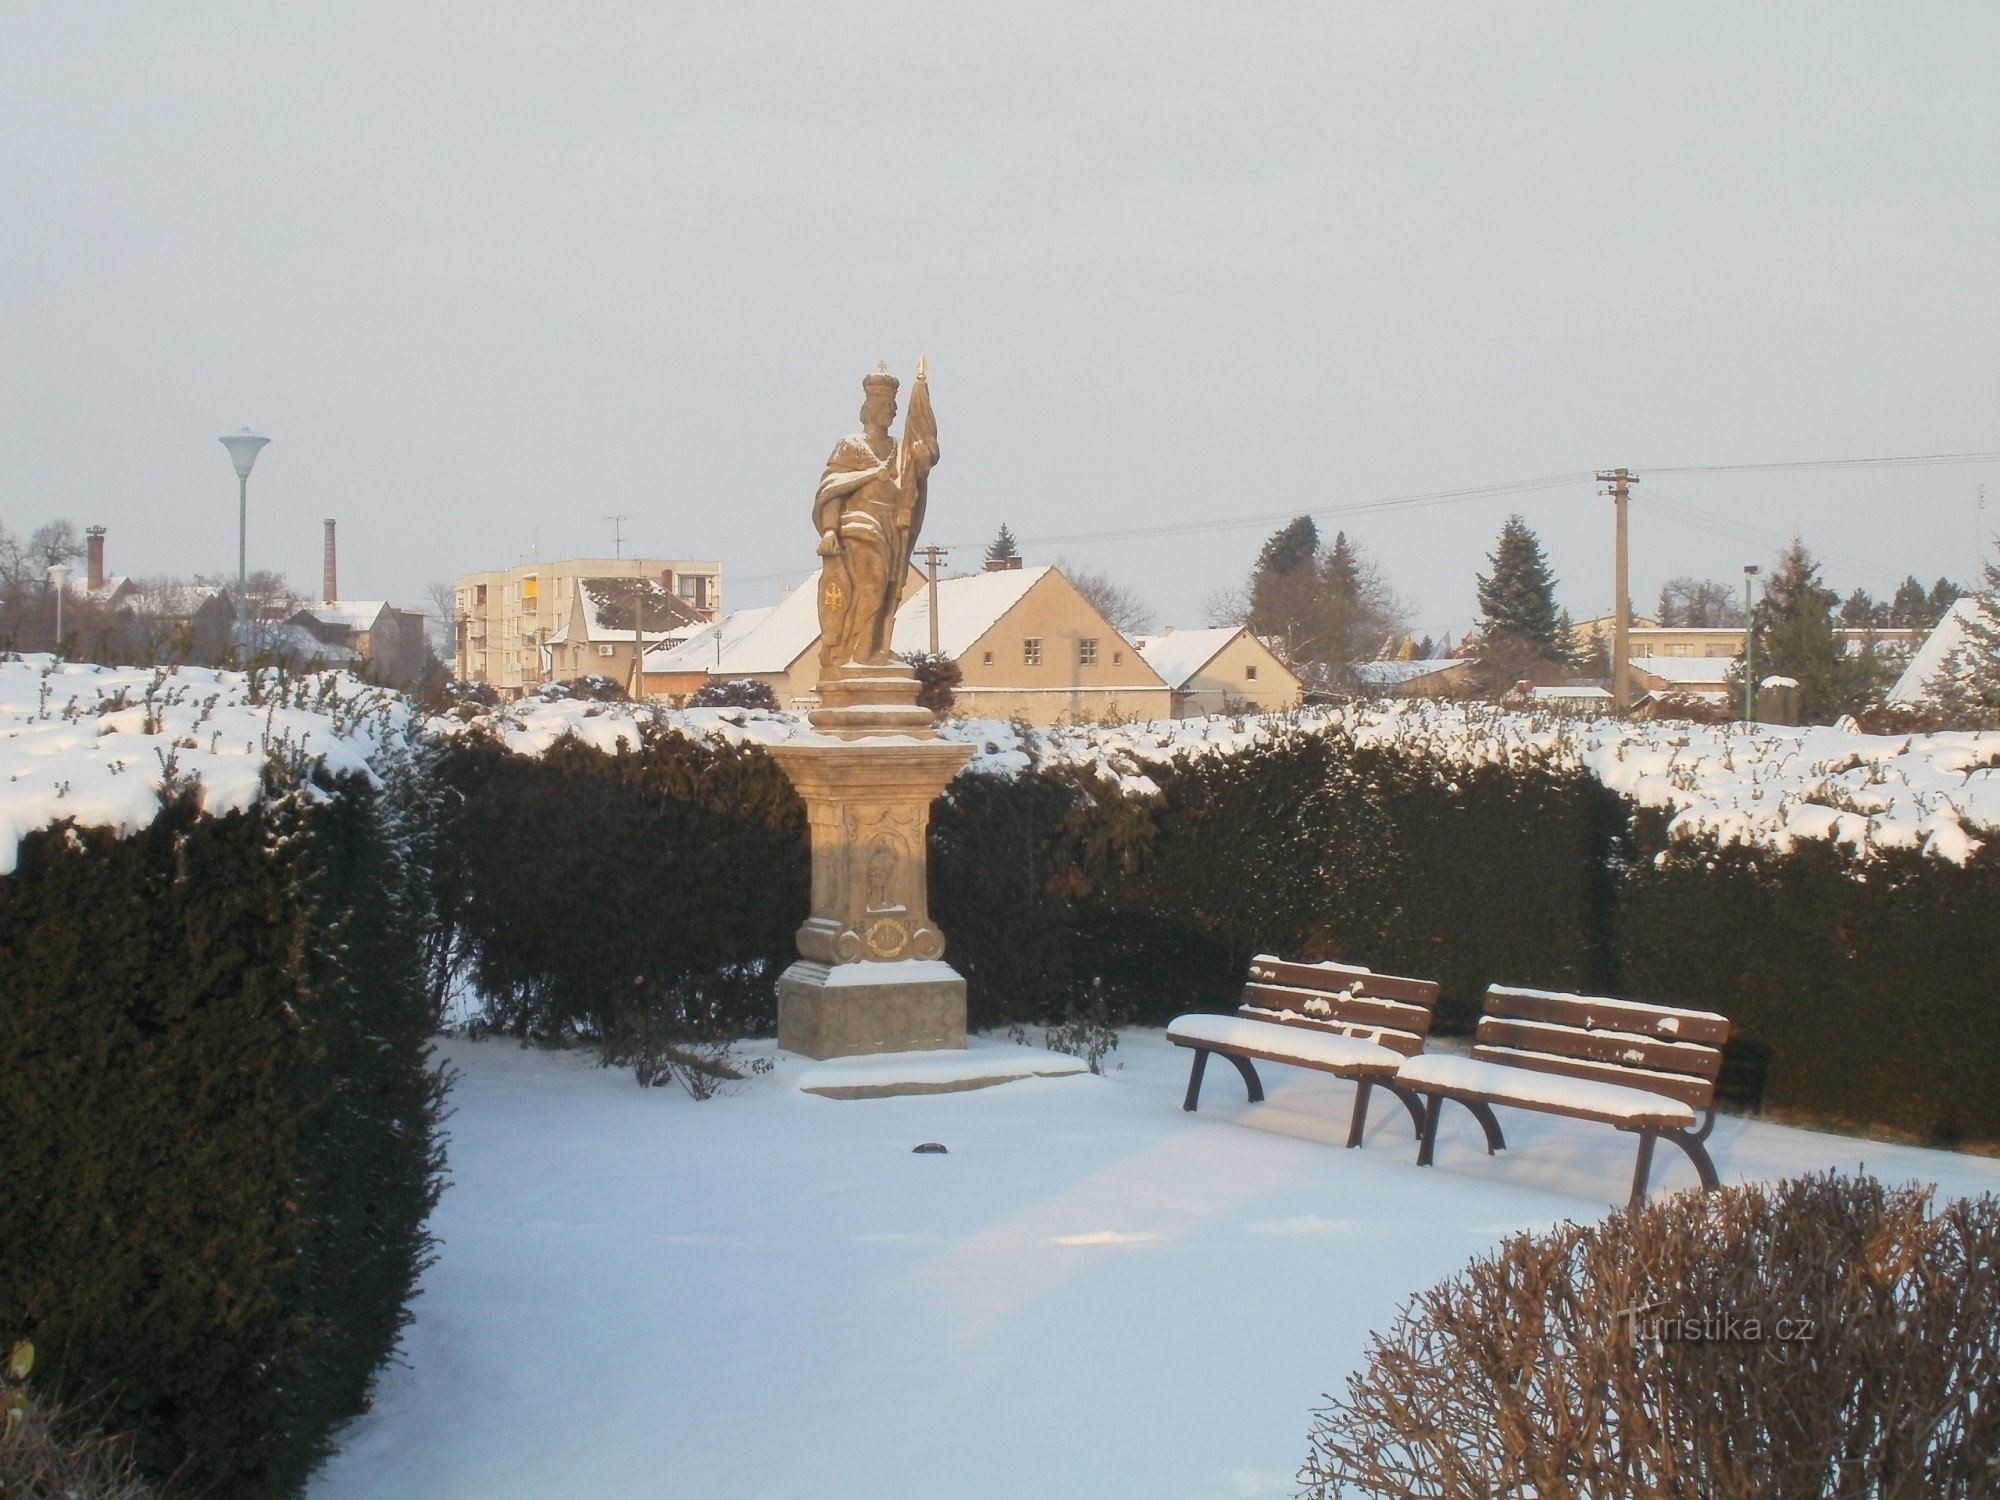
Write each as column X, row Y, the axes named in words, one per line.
column 95, row 745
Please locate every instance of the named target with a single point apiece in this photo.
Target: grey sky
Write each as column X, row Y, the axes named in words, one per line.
column 489, row 274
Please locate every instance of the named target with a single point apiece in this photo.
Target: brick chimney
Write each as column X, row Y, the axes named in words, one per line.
column 329, row 583
column 93, row 543
column 1002, row 564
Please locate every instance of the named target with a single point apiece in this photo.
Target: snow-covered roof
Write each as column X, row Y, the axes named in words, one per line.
column 175, row 601
column 1576, row 692
column 107, row 589
column 1687, row 671
column 1913, row 686
column 605, row 605
column 696, row 651
column 1396, row 673
column 967, row 608
column 1178, row 654
column 784, row 634
column 351, row 614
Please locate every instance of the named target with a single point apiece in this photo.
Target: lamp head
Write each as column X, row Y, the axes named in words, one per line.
column 59, row 575
column 243, row 449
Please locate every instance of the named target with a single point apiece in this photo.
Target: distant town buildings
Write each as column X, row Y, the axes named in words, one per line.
column 1221, row 670
column 518, row 627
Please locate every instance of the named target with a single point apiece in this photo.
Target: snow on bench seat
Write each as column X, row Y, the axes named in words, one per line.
column 1610, row 1102
column 1281, row 1043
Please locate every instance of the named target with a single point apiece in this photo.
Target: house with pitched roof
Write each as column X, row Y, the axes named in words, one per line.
column 1221, row 670
column 610, row 622
column 1025, row 640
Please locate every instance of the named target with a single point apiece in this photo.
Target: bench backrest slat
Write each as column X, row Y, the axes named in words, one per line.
column 1600, row 1012
column 1667, row 1051
column 1343, row 999
column 1697, row 1093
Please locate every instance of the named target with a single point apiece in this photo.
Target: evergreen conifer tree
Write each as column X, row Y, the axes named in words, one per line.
column 1325, row 607
column 1967, row 687
column 1517, row 600
column 1003, row 548
column 1792, row 631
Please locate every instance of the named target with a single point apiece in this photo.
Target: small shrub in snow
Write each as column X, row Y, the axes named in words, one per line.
column 737, row 692
column 1823, row 1336
column 680, row 1031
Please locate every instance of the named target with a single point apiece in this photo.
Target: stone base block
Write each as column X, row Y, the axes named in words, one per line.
column 845, row 1010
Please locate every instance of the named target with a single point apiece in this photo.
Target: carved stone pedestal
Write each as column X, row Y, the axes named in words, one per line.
column 870, row 975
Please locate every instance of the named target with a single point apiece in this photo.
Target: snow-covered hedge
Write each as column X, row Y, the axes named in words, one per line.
column 218, row 1107
column 1764, row 785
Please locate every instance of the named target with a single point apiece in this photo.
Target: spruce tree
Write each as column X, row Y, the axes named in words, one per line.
column 1284, row 590
column 1003, row 548
column 1517, row 600
column 1325, row 607
column 1967, row 687
column 1792, row 632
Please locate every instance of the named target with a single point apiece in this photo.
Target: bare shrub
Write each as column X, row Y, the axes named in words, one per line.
column 47, row 1451
column 680, row 1031
column 1821, row 1336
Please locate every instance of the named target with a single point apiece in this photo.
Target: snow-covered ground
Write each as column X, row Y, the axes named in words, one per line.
column 1091, row 1293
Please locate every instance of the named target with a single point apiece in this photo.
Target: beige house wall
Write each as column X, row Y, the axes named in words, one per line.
column 1244, row 671
column 1068, row 682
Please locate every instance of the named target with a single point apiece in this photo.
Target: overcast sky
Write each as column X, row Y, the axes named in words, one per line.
column 488, row 275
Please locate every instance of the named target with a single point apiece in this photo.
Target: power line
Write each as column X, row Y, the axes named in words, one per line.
column 1916, row 460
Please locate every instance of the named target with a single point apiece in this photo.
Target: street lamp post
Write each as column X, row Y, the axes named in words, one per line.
column 59, row 577
column 243, row 449
column 1750, row 571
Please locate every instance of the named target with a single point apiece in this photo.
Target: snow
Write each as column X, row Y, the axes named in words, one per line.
column 1178, row 654
column 785, row 633
column 697, row 652
column 1396, row 673
column 981, row 1060
column 1501, row 1082
column 1914, row 684
column 894, row 971
column 967, row 608
column 94, row 744
column 1310, row 1047
column 1093, row 1293
column 352, row 614
column 1767, row 786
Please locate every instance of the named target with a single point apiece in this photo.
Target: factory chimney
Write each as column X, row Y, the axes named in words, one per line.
column 329, row 582
column 93, row 542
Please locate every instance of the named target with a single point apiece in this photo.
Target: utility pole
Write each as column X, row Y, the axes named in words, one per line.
column 1750, row 572
column 1621, row 482
column 1979, row 540
column 932, row 556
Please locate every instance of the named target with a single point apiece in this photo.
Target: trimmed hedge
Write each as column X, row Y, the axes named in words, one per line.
column 1862, row 994
column 221, row 1126
column 580, row 881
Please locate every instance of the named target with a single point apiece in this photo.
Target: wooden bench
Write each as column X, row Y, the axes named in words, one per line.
column 1649, row 1069
column 1333, row 1018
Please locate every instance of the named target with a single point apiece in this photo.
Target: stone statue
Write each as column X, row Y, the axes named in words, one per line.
column 868, row 510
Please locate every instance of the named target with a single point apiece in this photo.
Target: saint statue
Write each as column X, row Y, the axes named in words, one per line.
column 868, row 510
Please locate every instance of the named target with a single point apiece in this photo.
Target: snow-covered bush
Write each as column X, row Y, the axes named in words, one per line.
column 220, row 1117
column 737, row 692
column 1822, row 1336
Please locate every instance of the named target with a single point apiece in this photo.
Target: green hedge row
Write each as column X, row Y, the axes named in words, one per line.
column 1861, row 995
column 221, row 1126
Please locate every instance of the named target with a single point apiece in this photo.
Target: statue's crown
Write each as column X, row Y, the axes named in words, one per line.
column 879, row 379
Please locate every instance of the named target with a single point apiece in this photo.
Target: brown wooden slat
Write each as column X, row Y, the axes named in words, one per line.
column 1698, row 1092
column 1272, row 970
column 1368, row 1010
column 1409, row 1043
column 1627, row 1048
column 1602, row 1013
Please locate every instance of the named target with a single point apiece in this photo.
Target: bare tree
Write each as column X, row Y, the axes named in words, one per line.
column 441, row 619
column 1699, row 602
column 1127, row 612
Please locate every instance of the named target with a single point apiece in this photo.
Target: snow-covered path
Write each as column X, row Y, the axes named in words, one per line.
column 1092, row 1293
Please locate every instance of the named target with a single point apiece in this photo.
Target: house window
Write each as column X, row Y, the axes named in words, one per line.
column 1250, row 673
column 1031, row 651
column 989, row 659
column 482, row 596
column 1086, row 652
column 1118, row 658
